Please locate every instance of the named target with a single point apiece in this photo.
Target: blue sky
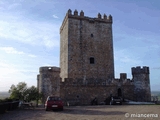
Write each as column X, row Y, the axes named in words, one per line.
column 29, row 36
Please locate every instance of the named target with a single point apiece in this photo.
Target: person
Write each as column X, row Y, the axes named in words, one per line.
column 94, row 101
column 20, row 103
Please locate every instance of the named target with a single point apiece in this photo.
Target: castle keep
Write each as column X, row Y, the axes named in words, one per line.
column 86, row 48
column 87, row 65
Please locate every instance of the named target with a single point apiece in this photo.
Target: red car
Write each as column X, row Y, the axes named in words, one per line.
column 53, row 102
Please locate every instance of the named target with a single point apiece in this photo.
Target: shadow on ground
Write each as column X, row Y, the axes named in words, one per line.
column 91, row 110
column 39, row 113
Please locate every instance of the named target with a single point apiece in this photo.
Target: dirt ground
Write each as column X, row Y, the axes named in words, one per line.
column 101, row 112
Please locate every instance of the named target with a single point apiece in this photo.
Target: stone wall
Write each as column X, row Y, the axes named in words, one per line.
column 77, row 92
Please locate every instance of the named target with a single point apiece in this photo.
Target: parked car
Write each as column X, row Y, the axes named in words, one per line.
column 116, row 100
column 53, row 102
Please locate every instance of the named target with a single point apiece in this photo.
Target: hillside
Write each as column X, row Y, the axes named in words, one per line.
column 4, row 95
column 156, row 93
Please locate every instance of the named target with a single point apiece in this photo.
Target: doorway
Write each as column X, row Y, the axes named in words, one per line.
column 119, row 92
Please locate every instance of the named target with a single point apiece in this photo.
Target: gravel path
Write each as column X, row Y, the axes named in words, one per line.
column 102, row 112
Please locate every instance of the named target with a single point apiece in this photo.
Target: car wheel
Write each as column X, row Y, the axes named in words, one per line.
column 61, row 109
column 46, row 108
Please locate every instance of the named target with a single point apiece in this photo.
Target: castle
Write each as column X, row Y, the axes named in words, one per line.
column 87, row 65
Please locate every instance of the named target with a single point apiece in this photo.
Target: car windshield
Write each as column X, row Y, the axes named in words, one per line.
column 54, row 98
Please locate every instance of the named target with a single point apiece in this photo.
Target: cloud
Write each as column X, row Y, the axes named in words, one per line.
column 124, row 60
column 13, row 6
column 16, row 26
column 156, row 68
column 123, row 56
column 11, row 50
column 54, row 16
column 13, row 74
column 127, row 59
column 33, row 56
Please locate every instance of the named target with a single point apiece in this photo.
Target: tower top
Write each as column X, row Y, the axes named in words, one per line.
column 75, row 15
column 139, row 70
column 81, row 16
column 49, row 68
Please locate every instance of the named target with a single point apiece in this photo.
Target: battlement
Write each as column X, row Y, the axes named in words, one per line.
column 81, row 16
column 49, row 68
column 139, row 70
column 75, row 15
column 123, row 76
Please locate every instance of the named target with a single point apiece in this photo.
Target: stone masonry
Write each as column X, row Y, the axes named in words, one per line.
column 87, row 65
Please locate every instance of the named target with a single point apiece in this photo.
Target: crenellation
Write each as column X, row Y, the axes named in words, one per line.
column 82, row 13
column 75, row 13
column 82, row 17
column 123, row 76
column 146, row 69
column 49, row 68
column 109, row 17
column 129, row 80
column 69, row 12
column 139, row 70
column 99, row 16
column 105, row 17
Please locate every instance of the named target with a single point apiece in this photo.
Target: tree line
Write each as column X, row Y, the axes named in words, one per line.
column 24, row 93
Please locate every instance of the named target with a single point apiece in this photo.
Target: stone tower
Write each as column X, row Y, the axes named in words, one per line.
column 86, row 47
column 48, row 81
column 141, row 83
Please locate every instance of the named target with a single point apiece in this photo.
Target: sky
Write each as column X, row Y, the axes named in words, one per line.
column 29, row 36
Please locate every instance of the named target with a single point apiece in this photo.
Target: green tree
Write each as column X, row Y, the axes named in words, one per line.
column 33, row 94
column 23, row 93
column 19, row 91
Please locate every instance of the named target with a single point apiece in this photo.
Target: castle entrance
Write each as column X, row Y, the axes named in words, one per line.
column 119, row 92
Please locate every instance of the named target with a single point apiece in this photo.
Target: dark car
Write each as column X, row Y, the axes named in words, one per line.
column 116, row 100
column 53, row 102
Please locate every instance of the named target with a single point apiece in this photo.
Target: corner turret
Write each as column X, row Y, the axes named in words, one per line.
column 48, row 81
column 139, row 70
column 141, row 83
